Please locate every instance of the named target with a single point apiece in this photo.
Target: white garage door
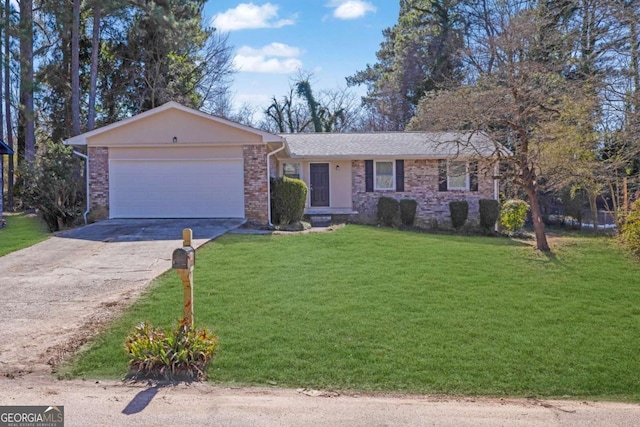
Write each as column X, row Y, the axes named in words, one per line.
column 146, row 188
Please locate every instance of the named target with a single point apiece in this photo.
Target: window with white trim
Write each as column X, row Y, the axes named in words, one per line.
column 291, row 170
column 457, row 175
column 384, row 175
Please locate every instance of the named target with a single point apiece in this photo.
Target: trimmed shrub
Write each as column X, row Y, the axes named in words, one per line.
column 459, row 211
column 489, row 213
column 181, row 354
column 288, row 197
column 513, row 214
column 630, row 229
column 408, row 209
column 387, row 211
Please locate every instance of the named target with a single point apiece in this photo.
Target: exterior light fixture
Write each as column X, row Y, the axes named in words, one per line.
column 175, row 139
column 337, row 167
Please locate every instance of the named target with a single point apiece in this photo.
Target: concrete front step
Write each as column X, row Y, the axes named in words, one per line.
column 320, row 220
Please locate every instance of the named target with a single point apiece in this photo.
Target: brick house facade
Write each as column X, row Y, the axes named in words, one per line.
column 421, row 183
column 99, row 178
column 256, row 199
column 177, row 162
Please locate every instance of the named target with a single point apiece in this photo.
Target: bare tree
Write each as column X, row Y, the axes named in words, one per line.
column 512, row 104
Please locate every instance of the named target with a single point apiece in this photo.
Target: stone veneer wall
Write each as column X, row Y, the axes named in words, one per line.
column 256, row 202
column 99, row 177
column 420, row 184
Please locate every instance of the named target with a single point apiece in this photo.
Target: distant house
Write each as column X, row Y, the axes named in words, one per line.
column 176, row 162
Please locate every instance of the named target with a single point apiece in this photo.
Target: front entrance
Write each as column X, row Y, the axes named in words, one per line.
column 319, row 180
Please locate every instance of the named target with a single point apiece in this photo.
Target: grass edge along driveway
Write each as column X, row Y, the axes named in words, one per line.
column 22, row 231
column 374, row 309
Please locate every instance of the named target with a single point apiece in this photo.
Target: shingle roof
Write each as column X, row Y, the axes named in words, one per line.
column 390, row 144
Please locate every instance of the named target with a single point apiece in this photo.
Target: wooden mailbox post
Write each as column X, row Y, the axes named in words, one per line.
column 183, row 261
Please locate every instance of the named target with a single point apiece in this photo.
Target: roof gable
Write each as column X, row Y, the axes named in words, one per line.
column 160, row 125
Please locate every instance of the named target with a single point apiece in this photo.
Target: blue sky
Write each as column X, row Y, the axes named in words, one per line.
column 273, row 40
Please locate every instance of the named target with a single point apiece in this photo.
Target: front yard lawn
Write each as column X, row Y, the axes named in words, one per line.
column 22, row 231
column 363, row 308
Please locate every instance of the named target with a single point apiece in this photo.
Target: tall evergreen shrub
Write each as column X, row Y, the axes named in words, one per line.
column 459, row 211
column 408, row 209
column 288, row 197
column 489, row 213
column 387, row 211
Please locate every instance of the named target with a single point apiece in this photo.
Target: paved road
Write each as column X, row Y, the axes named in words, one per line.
column 115, row 404
column 57, row 293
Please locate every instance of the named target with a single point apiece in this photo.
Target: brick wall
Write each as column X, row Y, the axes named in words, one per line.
column 420, row 184
column 99, row 177
column 255, row 184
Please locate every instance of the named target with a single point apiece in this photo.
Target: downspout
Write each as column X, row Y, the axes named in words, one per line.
column 86, row 162
column 269, row 182
column 496, row 188
column 496, row 183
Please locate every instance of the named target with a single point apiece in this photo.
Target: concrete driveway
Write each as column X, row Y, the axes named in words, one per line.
column 56, row 294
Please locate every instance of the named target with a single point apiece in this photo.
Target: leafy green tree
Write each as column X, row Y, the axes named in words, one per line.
column 418, row 55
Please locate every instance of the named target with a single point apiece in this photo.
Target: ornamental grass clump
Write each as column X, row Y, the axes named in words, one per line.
column 180, row 354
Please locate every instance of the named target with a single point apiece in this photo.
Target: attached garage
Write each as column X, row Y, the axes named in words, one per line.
column 182, row 183
column 177, row 162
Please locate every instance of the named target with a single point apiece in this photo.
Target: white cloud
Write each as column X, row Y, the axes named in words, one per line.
column 274, row 58
column 250, row 16
column 351, row 9
column 273, row 49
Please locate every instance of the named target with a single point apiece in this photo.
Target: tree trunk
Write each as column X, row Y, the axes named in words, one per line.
column 26, row 112
column 593, row 205
column 7, row 103
column 536, row 215
column 1, row 138
column 75, row 69
column 95, row 51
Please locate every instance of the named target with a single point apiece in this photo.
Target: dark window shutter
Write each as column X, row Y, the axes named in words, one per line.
column 368, row 175
column 399, row 175
column 442, row 175
column 473, row 176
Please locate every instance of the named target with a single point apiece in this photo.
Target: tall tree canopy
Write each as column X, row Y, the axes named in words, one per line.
column 418, row 55
column 555, row 82
column 101, row 61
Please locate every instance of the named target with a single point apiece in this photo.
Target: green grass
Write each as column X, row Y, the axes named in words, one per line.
column 377, row 309
column 21, row 232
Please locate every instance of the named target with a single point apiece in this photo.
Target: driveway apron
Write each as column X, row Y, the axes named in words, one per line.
column 56, row 294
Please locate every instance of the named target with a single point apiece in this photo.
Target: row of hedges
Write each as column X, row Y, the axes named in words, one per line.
column 512, row 214
column 390, row 210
